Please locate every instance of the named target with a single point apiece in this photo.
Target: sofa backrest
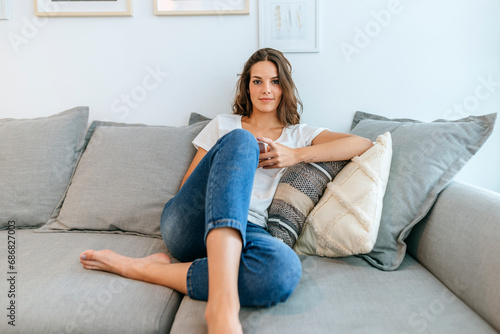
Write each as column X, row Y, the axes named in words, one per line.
column 459, row 242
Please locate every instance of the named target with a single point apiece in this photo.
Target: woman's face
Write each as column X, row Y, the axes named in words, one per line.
column 265, row 89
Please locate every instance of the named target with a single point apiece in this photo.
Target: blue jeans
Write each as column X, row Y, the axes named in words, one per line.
column 217, row 194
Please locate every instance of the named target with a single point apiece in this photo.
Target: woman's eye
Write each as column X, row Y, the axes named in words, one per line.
column 256, row 82
column 276, row 82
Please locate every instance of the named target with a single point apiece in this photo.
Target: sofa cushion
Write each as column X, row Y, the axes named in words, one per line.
column 299, row 190
column 348, row 295
column 57, row 295
column 195, row 117
column 124, row 178
column 426, row 156
column 38, row 158
column 347, row 218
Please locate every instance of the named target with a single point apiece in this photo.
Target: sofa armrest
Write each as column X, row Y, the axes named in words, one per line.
column 459, row 242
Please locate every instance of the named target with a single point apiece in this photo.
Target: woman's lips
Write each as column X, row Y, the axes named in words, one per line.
column 266, row 100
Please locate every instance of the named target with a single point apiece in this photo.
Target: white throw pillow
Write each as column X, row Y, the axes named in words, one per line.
column 346, row 219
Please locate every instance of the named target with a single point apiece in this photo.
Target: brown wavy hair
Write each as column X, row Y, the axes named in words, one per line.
column 290, row 106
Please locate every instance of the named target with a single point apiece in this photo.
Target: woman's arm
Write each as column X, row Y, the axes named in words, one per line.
column 327, row 146
column 196, row 160
column 333, row 146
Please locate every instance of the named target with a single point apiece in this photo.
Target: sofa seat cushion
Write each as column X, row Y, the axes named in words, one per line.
column 55, row 294
column 348, row 295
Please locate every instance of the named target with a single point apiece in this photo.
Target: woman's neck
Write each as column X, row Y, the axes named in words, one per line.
column 263, row 121
column 263, row 125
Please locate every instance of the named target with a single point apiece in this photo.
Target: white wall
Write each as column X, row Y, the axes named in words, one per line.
column 426, row 58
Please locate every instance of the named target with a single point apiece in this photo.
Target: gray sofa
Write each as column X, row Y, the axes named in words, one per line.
column 448, row 281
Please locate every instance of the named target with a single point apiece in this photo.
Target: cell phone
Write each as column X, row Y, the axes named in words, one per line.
column 262, row 147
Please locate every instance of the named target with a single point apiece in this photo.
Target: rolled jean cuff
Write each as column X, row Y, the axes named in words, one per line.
column 189, row 281
column 231, row 223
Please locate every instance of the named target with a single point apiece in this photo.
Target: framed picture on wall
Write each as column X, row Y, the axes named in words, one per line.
column 201, row 7
column 5, row 9
column 289, row 25
column 83, row 7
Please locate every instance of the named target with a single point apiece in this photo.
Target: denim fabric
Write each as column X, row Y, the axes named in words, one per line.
column 217, row 194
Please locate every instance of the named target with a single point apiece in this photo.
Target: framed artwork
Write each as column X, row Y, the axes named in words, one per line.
column 201, row 7
column 5, row 9
column 83, row 7
column 289, row 25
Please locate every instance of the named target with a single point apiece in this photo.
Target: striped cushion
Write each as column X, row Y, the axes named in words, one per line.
column 300, row 188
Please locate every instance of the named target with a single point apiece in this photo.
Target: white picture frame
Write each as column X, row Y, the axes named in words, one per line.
column 5, row 10
column 83, row 8
column 289, row 25
column 201, row 7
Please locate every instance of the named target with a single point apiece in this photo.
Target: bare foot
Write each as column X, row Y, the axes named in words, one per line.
column 107, row 260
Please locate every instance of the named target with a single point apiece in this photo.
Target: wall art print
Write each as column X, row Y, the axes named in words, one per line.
column 83, row 8
column 289, row 25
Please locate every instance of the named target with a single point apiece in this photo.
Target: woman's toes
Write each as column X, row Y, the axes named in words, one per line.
column 87, row 255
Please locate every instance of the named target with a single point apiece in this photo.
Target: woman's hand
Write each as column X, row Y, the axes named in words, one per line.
column 277, row 155
column 327, row 146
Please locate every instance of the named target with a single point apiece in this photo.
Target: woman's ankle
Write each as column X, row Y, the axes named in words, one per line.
column 225, row 304
column 223, row 318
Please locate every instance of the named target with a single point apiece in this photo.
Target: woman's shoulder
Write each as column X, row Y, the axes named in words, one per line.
column 228, row 117
column 303, row 131
column 225, row 118
column 228, row 120
column 296, row 128
column 302, row 127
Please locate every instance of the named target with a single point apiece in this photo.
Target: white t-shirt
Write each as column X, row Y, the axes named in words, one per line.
column 266, row 180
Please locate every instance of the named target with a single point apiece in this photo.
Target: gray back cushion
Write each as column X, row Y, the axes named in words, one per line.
column 125, row 176
column 38, row 157
column 426, row 157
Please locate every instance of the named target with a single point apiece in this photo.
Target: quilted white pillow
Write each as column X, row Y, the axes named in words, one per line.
column 346, row 219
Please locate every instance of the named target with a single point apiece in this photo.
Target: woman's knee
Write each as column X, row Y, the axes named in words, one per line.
column 241, row 138
column 240, row 147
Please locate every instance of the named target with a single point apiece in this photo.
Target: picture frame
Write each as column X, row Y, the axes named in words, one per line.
column 5, row 9
column 201, row 7
column 289, row 25
column 83, row 8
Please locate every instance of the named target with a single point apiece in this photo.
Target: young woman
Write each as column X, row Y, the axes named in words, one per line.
column 216, row 224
